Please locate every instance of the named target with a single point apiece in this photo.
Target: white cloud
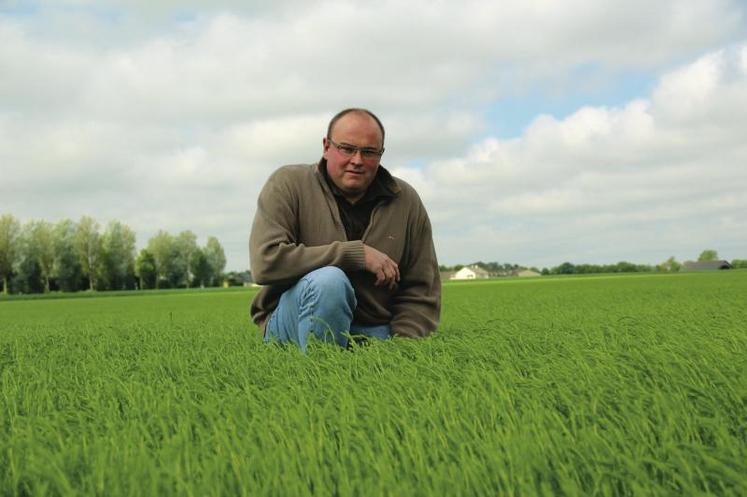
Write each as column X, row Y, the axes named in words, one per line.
column 172, row 114
column 651, row 170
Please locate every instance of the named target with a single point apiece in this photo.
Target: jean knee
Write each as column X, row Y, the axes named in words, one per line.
column 332, row 283
column 328, row 278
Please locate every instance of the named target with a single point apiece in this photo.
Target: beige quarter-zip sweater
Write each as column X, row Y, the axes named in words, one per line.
column 297, row 229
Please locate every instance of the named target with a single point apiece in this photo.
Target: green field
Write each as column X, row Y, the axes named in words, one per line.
column 633, row 385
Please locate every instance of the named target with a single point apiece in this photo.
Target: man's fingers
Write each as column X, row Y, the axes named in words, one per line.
column 393, row 274
column 394, row 278
column 387, row 276
column 384, row 268
column 380, row 277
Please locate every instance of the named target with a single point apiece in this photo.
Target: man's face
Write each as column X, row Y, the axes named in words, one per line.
column 353, row 174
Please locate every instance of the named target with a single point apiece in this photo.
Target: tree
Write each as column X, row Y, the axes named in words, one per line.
column 145, row 269
column 739, row 263
column 216, row 259
column 66, row 269
column 164, row 252
column 201, row 268
column 670, row 265
column 88, row 247
column 27, row 277
column 708, row 255
column 186, row 246
column 626, row 267
column 10, row 230
column 41, row 238
column 565, row 268
column 118, row 256
column 235, row 278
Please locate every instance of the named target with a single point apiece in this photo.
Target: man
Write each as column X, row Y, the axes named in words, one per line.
column 343, row 247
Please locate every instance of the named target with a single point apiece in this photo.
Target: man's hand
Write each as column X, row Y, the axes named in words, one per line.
column 385, row 269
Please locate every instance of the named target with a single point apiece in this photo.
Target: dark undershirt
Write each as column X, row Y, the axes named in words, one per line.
column 356, row 217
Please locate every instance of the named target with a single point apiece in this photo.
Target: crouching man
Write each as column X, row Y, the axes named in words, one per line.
column 342, row 247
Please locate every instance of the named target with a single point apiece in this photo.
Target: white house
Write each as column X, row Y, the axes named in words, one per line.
column 527, row 273
column 470, row 273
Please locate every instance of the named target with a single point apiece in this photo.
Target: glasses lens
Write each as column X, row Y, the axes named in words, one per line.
column 350, row 150
column 347, row 149
column 369, row 153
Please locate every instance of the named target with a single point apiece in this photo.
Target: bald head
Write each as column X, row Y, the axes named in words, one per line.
column 355, row 110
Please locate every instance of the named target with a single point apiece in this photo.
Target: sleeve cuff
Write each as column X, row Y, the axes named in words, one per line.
column 355, row 257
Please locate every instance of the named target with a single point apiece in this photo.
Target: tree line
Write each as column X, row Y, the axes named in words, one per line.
column 671, row 265
column 40, row 256
column 509, row 269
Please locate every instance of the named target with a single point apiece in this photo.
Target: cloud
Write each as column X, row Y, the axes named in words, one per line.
column 171, row 115
column 656, row 176
column 264, row 59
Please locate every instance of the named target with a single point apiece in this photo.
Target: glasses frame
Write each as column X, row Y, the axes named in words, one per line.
column 367, row 153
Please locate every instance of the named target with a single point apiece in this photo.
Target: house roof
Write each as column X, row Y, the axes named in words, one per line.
column 478, row 270
column 705, row 265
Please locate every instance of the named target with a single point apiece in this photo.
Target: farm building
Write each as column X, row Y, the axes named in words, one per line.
column 527, row 273
column 470, row 273
column 691, row 266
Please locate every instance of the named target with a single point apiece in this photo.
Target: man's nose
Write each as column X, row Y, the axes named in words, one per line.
column 357, row 157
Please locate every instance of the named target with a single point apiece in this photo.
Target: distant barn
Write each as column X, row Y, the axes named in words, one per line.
column 473, row 272
column 527, row 273
column 691, row 266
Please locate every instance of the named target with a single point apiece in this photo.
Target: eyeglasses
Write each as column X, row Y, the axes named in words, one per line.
column 367, row 153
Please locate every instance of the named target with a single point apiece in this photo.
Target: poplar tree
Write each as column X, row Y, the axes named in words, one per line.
column 66, row 270
column 216, row 259
column 41, row 238
column 162, row 247
column 118, row 256
column 10, row 230
column 88, row 247
column 186, row 247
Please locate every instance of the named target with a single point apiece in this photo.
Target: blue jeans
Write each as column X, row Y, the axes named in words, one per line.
column 319, row 304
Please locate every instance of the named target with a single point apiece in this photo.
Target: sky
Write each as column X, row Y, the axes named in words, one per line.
column 536, row 132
